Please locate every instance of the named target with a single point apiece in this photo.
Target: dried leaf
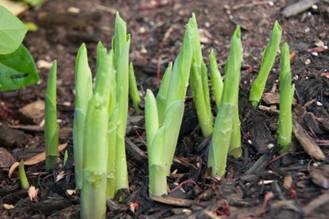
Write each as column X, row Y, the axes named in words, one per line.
column 33, row 193
column 34, row 160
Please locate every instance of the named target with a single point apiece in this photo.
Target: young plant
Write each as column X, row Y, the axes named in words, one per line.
column 163, row 115
column 215, row 78
column 22, row 176
column 221, row 138
column 95, row 154
column 51, row 126
column 83, row 93
column 17, row 66
column 117, row 165
column 133, row 90
column 268, row 59
column 199, row 84
column 286, row 97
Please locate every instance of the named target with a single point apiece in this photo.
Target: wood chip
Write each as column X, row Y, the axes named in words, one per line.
column 287, row 182
column 315, row 203
column 298, row 7
column 173, row 201
column 307, row 142
column 33, row 112
column 6, row 159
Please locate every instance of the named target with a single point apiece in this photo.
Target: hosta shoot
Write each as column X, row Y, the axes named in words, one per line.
column 199, row 85
column 221, row 138
column 286, row 97
column 133, row 90
column 215, row 78
column 51, row 126
column 164, row 114
column 83, row 93
column 268, row 59
column 95, row 154
column 117, row 165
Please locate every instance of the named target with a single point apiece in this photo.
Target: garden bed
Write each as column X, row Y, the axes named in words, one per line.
column 260, row 184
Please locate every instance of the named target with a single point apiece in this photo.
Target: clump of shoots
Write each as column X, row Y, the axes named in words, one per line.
column 215, row 78
column 83, row 93
column 164, row 114
column 51, row 126
column 222, row 135
column 286, row 97
column 133, row 90
column 95, row 154
column 22, row 176
column 199, row 84
column 268, row 59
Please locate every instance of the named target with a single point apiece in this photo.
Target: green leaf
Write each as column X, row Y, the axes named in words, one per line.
column 17, row 70
column 12, row 31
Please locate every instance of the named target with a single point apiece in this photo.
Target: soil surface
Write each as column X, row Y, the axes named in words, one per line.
column 260, row 184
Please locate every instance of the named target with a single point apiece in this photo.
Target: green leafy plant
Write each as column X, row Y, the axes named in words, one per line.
column 268, row 59
column 286, row 97
column 17, row 66
column 95, row 144
column 163, row 116
column 133, row 90
column 199, row 85
column 51, row 126
column 83, row 93
column 223, row 129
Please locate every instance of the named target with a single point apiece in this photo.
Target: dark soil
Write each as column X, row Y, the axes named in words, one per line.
column 261, row 184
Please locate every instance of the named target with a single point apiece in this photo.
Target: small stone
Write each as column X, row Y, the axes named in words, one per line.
column 307, row 62
column 318, row 103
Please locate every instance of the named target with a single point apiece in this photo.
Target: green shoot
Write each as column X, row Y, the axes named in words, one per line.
column 268, row 59
column 117, row 175
column 83, row 93
column 66, row 157
column 121, row 44
column 133, row 90
column 199, row 84
column 163, row 116
column 286, row 97
column 22, row 176
column 51, row 126
column 93, row 193
column 221, row 138
column 215, row 78
column 161, row 98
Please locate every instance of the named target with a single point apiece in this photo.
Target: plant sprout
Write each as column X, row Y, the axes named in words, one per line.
column 268, row 59
column 93, row 193
column 51, row 126
column 199, row 85
column 117, row 165
column 221, row 138
column 133, row 90
column 22, row 176
column 286, row 97
column 164, row 114
column 83, row 93
column 215, row 78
